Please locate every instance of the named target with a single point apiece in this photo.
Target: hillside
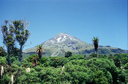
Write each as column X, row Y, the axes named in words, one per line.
column 61, row 43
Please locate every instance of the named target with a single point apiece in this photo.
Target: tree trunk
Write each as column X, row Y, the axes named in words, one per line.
column 9, row 62
column 20, row 55
column 97, row 53
column 40, row 54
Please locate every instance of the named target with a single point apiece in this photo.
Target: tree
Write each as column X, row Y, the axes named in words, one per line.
column 68, row 54
column 15, row 52
column 95, row 43
column 8, row 38
column 40, row 51
column 2, row 52
column 21, row 35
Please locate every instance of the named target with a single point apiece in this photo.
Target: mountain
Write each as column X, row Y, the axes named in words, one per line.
column 61, row 43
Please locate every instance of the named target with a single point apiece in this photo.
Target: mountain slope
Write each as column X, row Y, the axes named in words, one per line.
column 61, row 43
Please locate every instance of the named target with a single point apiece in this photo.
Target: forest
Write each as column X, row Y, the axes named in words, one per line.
column 70, row 69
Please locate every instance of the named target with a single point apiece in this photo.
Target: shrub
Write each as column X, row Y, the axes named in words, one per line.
column 126, row 66
column 58, row 61
column 12, row 59
column 5, row 79
column 27, row 64
column 68, row 54
column 17, row 63
column 33, row 58
column 76, row 57
column 43, row 60
column 2, row 61
column 100, row 78
column 30, row 58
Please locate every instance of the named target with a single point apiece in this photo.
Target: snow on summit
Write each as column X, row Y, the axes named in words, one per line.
column 58, row 39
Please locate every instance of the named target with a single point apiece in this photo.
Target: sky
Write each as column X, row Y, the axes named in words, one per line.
column 84, row 19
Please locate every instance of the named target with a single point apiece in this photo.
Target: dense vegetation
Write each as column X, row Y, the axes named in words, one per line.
column 75, row 69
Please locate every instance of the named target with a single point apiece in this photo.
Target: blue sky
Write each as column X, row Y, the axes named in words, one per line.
column 105, row 19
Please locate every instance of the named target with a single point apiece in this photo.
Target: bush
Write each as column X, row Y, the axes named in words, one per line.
column 5, row 79
column 68, row 54
column 50, row 74
column 2, row 61
column 58, row 61
column 34, row 59
column 27, row 64
column 76, row 57
column 76, row 70
column 126, row 66
column 30, row 58
column 92, row 55
column 43, row 60
column 12, row 59
column 100, row 78
column 17, row 62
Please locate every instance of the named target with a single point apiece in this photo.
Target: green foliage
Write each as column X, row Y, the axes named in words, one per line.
column 119, row 59
column 76, row 57
column 95, row 42
column 68, row 54
column 2, row 52
column 5, row 79
column 126, row 66
column 21, row 35
column 8, row 38
column 104, row 50
column 124, row 58
column 43, row 60
column 38, row 68
column 102, row 56
column 58, row 61
column 3, row 61
column 15, row 52
column 12, row 59
column 30, row 58
column 16, row 62
column 15, row 68
column 40, row 46
column 26, row 64
column 126, row 73
column 71, row 70
column 100, row 78
column 79, row 74
column 34, row 59
column 50, row 74
column 92, row 55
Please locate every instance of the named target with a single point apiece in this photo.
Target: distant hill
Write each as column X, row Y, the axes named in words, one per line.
column 61, row 43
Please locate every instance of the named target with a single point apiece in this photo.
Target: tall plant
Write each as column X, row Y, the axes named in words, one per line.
column 40, row 51
column 95, row 43
column 21, row 35
column 8, row 38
